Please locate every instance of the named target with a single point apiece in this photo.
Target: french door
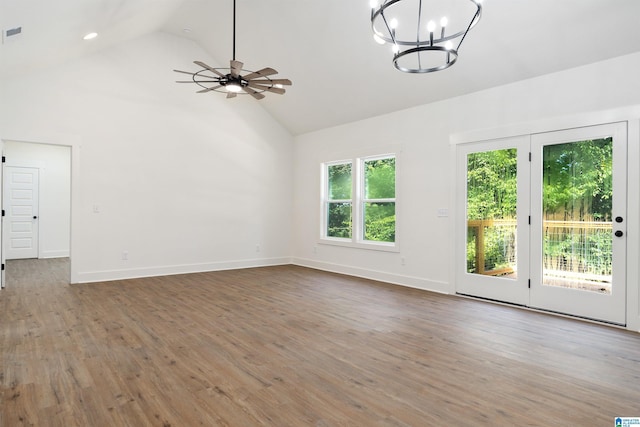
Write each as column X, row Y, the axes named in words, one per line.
column 542, row 221
column 493, row 200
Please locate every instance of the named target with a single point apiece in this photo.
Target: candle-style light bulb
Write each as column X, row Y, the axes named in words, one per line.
column 443, row 24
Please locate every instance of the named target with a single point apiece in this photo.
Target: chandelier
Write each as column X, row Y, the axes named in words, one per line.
column 425, row 35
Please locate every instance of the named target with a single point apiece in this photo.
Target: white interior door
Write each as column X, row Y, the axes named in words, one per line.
column 21, row 212
column 578, row 237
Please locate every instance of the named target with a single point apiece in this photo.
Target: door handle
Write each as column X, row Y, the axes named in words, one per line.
column 618, row 233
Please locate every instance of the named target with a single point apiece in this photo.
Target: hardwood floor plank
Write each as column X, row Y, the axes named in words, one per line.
column 290, row 346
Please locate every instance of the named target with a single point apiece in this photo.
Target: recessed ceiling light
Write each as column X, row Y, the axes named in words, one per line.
column 186, row 30
column 90, row 36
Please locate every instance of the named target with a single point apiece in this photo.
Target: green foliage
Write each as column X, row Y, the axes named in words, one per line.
column 492, row 184
column 380, row 222
column 578, row 180
column 380, row 179
column 577, row 186
column 380, row 183
column 339, row 220
column 499, row 248
column 339, row 214
column 340, row 181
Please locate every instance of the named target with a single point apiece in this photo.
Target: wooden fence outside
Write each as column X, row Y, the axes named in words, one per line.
column 582, row 247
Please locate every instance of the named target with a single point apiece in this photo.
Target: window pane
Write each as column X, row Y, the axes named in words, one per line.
column 577, row 227
column 340, row 182
column 380, row 222
column 339, row 220
column 491, row 213
column 380, row 179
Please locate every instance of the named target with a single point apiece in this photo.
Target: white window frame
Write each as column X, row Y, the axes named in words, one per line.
column 357, row 205
column 326, row 200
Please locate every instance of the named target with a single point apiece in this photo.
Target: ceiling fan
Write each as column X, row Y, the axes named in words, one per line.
column 231, row 80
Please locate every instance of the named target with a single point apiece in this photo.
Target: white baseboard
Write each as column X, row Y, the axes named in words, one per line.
column 396, row 279
column 55, row 254
column 134, row 273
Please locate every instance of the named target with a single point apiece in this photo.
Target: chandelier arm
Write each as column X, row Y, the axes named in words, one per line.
column 419, row 21
column 471, row 24
column 389, row 29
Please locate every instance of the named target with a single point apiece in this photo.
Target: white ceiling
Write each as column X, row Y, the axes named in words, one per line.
column 325, row 47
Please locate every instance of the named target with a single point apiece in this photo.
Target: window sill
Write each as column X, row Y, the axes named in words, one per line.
column 372, row 246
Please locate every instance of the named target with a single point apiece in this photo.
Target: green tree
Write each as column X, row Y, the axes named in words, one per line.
column 339, row 223
column 578, row 180
column 492, row 184
column 380, row 184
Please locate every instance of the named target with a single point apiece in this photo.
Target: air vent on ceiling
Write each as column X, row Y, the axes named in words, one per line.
column 11, row 34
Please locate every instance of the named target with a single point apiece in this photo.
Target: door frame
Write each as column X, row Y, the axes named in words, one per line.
column 74, row 143
column 630, row 115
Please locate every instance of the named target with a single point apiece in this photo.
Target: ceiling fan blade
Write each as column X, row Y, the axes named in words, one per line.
column 261, row 73
column 209, row 89
column 185, row 72
column 253, row 93
column 213, row 70
column 236, row 67
column 271, row 82
column 199, row 81
column 231, row 95
column 277, row 90
column 199, row 75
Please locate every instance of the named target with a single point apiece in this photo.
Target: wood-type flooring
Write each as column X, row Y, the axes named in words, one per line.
column 291, row 346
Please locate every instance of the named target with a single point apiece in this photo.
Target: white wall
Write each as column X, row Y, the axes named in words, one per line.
column 54, row 215
column 598, row 93
column 180, row 181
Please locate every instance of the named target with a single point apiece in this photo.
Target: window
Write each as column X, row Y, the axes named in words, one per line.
column 359, row 206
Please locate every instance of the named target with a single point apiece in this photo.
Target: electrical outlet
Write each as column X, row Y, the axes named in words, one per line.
column 402, row 261
column 125, row 255
column 257, row 248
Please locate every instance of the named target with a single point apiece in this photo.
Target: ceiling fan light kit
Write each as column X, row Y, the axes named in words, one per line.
column 231, row 80
column 425, row 35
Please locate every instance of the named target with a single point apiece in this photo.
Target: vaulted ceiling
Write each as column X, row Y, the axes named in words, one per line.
column 326, row 48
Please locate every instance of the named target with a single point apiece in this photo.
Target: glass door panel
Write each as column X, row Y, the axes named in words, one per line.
column 577, row 225
column 491, row 213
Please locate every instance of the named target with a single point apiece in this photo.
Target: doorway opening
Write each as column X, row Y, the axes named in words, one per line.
column 36, row 199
